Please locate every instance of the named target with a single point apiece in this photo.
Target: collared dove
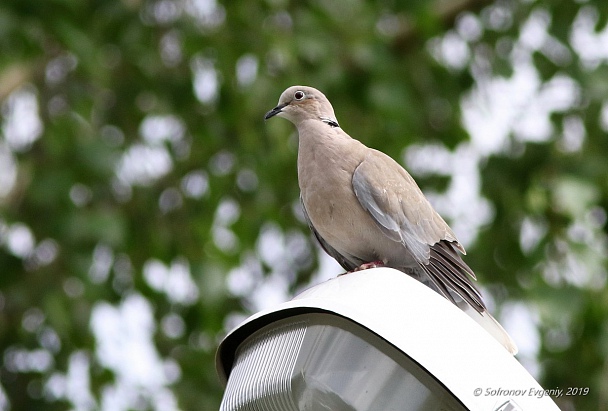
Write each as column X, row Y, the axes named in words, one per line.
column 365, row 210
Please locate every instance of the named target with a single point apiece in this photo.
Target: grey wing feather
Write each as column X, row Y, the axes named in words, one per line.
column 447, row 268
column 394, row 200
column 399, row 208
column 341, row 259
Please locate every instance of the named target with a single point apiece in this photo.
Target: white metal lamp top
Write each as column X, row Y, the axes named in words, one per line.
column 420, row 323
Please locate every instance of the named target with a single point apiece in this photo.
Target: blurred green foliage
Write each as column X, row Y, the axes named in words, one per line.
column 99, row 207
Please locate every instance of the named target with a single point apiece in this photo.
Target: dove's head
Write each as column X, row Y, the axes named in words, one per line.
column 300, row 103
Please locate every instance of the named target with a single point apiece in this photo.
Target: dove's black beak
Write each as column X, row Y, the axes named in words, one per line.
column 275, row 111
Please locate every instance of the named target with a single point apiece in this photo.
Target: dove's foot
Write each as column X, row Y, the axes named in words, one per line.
column 367, row 266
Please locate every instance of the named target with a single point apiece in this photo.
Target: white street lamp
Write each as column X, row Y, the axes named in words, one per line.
column 371, row 340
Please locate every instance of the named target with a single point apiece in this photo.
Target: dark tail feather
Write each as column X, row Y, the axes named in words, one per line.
column 448, row 273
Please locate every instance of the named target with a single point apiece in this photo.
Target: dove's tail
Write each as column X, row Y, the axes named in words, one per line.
column 491, row 325
column 483, row 318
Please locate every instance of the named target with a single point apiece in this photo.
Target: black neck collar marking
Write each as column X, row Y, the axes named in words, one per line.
column 332, row 123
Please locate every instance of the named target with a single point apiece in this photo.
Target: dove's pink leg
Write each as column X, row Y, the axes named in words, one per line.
column 367, row 266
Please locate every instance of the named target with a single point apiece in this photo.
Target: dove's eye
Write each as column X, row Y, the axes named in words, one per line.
column 298, row 95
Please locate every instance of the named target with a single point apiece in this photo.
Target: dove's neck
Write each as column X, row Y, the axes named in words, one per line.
column 325, row 147
column 321, row 135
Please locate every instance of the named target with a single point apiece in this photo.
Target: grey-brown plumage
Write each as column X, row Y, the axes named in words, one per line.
column 363, row 207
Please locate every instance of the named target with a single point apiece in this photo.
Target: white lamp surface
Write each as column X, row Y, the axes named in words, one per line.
column 371, row 340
